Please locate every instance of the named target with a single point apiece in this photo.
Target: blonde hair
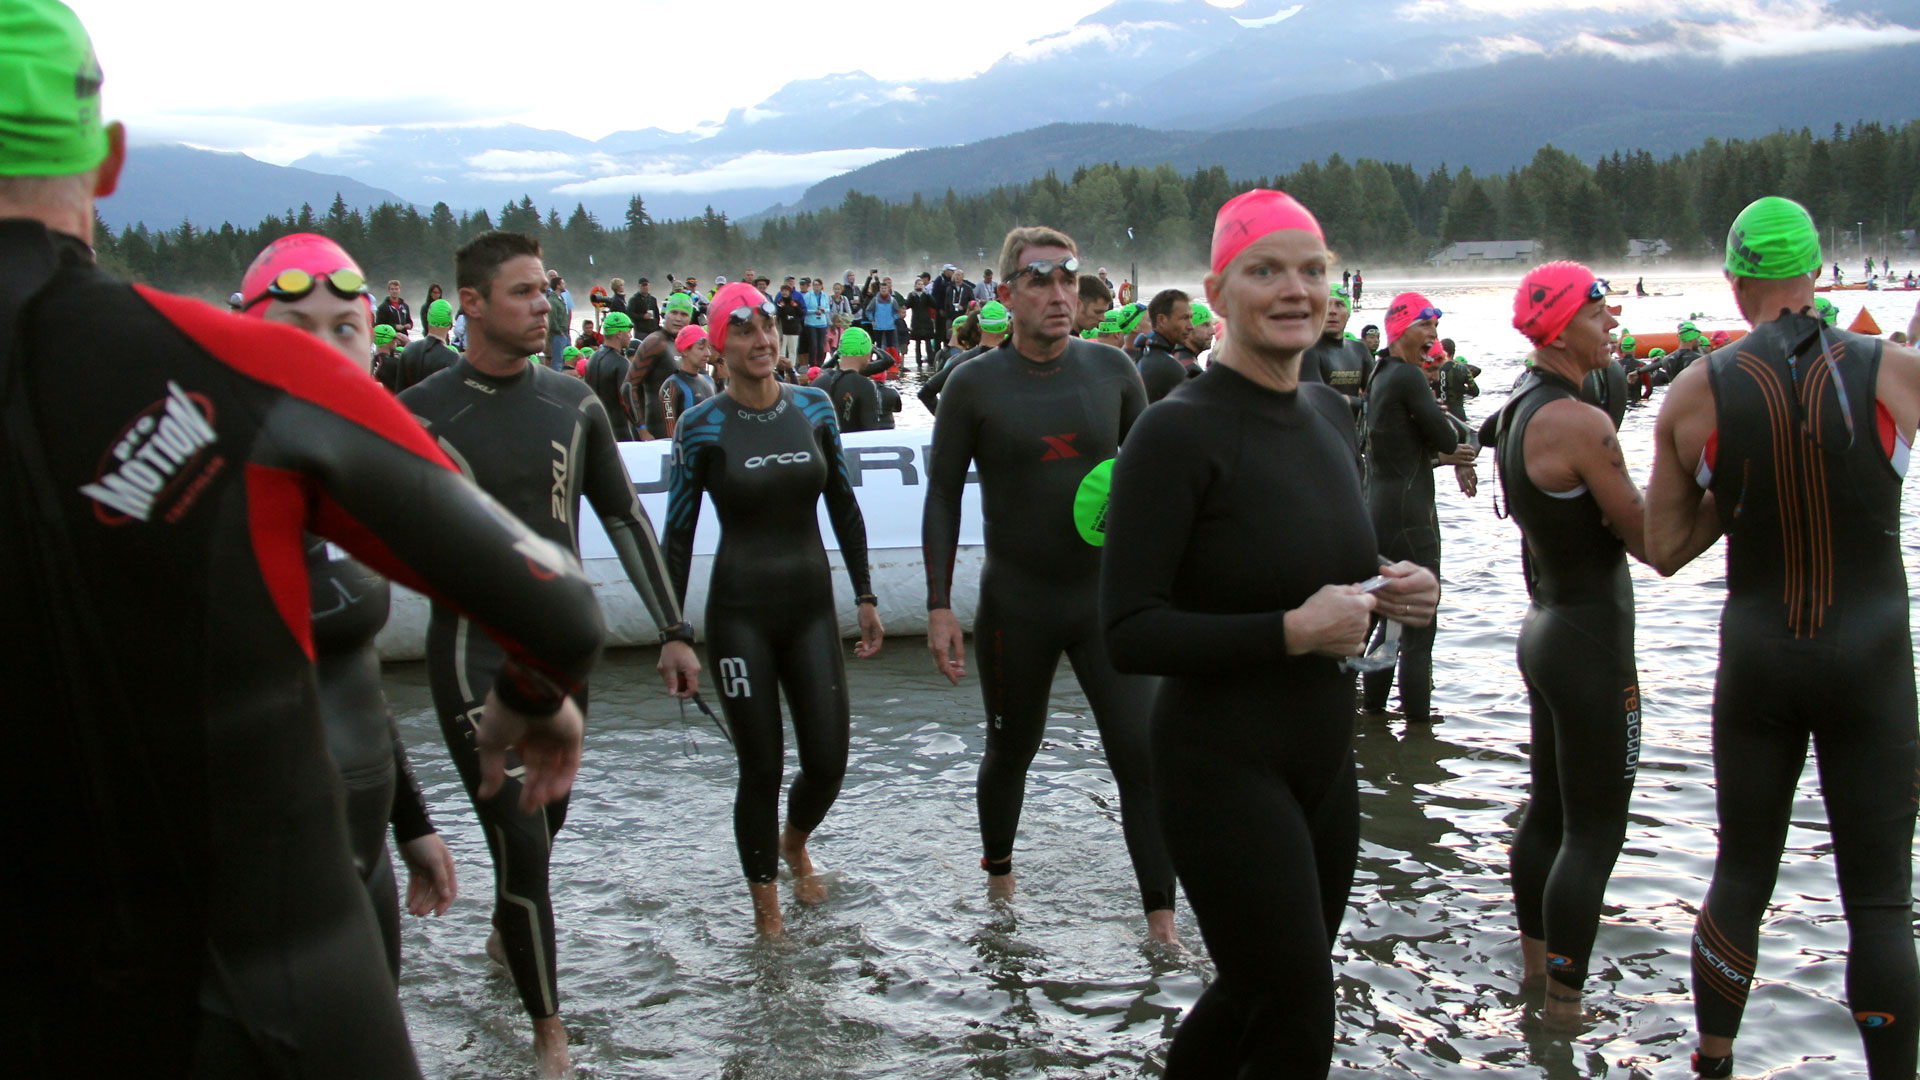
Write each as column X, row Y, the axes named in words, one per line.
column 1026, row 236
column 840, row 319
column 619, row 284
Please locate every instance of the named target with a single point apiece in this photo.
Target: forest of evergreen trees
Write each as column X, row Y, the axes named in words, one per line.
column 1374, row 212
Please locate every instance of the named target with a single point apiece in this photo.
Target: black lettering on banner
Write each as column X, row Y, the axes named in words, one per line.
column 659, row 486
column 862, row 458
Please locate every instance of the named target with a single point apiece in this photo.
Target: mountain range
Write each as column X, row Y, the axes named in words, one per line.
column 1256, row 89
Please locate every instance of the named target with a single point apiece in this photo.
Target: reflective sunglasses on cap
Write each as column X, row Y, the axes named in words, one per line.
column 1042, row 268
column 294, row 283
column 1598, row 291
column 743, row 315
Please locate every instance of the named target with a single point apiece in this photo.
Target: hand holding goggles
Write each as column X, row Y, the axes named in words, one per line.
column 1044, row 268
column 294, row 283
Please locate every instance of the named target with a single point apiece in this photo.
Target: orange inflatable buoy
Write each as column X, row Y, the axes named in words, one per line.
column 1863, row 324
column 1646, row 343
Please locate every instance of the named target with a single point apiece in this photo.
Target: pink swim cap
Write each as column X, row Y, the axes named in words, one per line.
column 311, row 252
column 731, row 297
column 581, row 367
column 1407, row 308
column 813, row 373
column 1251, row 215
column 1436, row 351
column 690, row 335
column 1548, row 298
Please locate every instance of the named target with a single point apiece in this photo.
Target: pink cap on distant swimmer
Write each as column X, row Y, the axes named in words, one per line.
column 1251, row 215
column 1548, row 298
column 1436, row 351
column 581, row 367
column 311, row 252
column 1719, row 338
column 813, row 373
column 1406, row 310
column 730, row 298
column 690, row 335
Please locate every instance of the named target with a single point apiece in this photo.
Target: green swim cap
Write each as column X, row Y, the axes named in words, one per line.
column 1655, row 351
column 1091, row 333
column 1688, row 326
column 439, row 313
column 1090, row 504
column 994, row 317
column 1110, row 322
column 1130, row 317
column 856, row 342
column 382, row 334
column 617, row 322
column 49, row 92
column 959, row 321
column 678, row 302
column 1627, row 342
column 1339, row 293
column 1773, row 238
column 570, row 353
column 1202, row 314
column 1828, row 313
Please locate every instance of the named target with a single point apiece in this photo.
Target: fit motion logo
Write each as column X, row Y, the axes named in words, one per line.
column 160, row 461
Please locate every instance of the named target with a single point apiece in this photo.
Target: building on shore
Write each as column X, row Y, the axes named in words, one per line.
column 1470, row 254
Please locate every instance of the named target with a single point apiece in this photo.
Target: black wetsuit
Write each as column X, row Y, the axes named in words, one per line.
column 1160, row 369
column 415, row 362
column 607, row 373
column 771, row 622
column 1606, row 389
column 349, row 604
column 1406, row 427
column 855, row 398
column 536, row 441
column 680, row 391
column 640, row 394
column 930, row 393
column 1342, row 363
column 890, row 404
column 198, row 888
column 1814, row 643
column 1457, row 385
column 1576, row 657
column 1033, row 432
column 1252, row 748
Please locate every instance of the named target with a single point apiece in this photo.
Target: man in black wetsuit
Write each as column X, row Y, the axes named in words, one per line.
column 1795, row 440
column 536, row 440
column 198, row 887
column 689, row 385
column 856, row 400
column 1566, row 486
column 425, row 356
column 1035, row 416
column 607, row 373
column 1336, row 359
column 656, row 360
column 992, row 321
column 384, row 352
column 1408, row 435
column 1170, row 313
column 1457, row 381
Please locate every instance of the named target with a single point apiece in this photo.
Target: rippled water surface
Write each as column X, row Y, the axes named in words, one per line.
column 908, row 972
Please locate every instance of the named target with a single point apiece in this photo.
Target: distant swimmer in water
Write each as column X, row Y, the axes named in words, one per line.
column 310, row 283
column 766, row 453
column 1565, row 484
column 1795, row 442
column 1035, row 417
column 1238, row 542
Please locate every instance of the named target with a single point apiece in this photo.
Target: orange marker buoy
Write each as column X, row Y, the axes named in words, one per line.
column 1863, row 324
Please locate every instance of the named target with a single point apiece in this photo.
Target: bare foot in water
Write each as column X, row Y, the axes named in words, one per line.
column 550, row 1047
column 768, row 922
column 496, row 949
column 1160, row 929
column 808, row 888
column 1000, row 887
column 1533, row 960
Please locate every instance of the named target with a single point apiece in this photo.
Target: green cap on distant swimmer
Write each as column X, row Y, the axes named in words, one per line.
column 856, row 342
column 382, row 334
column 1202, row 314
column 617, row 322
column 994, row 318
column 1110, row 322
column 1773, row 238
column 49, row 92
column 440, row 313
column 678, row 302
column 1826, row 310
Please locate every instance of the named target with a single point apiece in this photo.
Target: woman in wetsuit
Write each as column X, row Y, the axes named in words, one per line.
column 765, row 452
column 1237, row 541
column 309, row 283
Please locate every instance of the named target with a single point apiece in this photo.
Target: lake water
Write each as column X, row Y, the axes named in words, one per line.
column 908, row 972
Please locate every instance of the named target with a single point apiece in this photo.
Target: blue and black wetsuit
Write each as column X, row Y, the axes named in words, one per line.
column 1805, row 470
column 1576, row 657
column 199, row 888
column 537, row 441
column 1406, row 427
column 349, row 605
column 680, row 391
column 771, row 622
column 1232, row 504
column 1034, row 431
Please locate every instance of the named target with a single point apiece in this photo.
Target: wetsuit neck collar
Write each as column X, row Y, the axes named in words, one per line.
column 467, row 370
column 1239, row 384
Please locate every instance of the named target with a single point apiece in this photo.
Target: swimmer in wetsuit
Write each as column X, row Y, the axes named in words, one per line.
column 199, row 889
column 606, row 372
column 1406, row 429
column 1336, row 359
column 1794, row 440
column 1566, row 486
column 765, row 453
column 1034, row 417
column 1170, row 313
column 656, row 360
column 536, row 440
column 1237, row 538
column 690, row 385
column 349, row 606
column 989, row 325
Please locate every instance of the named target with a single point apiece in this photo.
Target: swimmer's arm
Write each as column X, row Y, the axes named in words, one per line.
column 609, row 490
column 1592, row 451
column 408, row 812
column 686, row 480
column 1429, row 416
column 843, row 509
column 1681, row 519
column 1133, row 397
column 954, row 430
column 1899, row 386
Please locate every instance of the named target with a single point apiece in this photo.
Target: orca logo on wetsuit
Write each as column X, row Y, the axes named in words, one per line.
column 797, row 457
column 157, row 449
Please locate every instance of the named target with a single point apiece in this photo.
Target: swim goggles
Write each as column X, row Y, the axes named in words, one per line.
column 1599, row 289
column 294, row 283
column 743, row 315
column 1428, row 313
column 1042, row 268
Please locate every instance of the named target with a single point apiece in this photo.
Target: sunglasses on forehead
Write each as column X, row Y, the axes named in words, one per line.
column 1042, row 268
column 743, row 315
column 1598, row 291
column 294, row 284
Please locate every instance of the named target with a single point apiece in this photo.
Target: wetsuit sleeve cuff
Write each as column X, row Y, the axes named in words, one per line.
column 523, row 690
column 680, row 631
column 866, row 598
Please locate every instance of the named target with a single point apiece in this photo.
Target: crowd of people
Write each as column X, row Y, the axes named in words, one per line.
column 199, row 545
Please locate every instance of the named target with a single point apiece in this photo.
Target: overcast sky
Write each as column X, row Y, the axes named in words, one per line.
column 272, row 78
